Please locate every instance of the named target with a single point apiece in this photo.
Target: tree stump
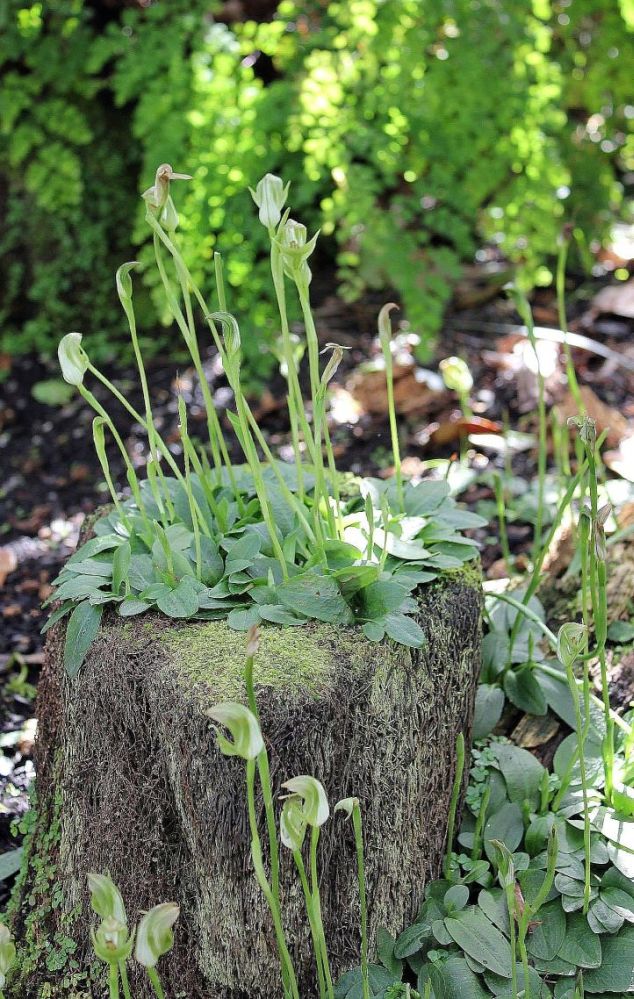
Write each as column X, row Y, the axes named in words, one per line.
column 129, row 781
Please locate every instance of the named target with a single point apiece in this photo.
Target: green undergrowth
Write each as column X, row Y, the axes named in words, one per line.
column 43, row 956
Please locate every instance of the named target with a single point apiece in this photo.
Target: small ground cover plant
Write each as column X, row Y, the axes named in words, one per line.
column 263, row 541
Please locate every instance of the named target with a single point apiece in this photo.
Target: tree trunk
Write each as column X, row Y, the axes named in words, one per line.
column 130, row 781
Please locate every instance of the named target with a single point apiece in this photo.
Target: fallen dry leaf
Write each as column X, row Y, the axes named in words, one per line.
column 621, row 461
column 8, row 563
column 413, row 396
column 458, row 426
column 617, row 299
column 606, row 417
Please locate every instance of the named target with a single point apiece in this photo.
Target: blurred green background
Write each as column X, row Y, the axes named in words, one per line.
column 412, row 131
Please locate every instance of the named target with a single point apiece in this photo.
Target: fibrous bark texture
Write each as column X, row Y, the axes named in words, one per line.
column 130, row 776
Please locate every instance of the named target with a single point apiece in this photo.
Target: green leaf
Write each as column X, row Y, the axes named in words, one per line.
column 617, row 968
column 279, row 615
column 456, row 898
column 374, row 631
column 57, row 615
column 121, row 566
column 506, row 825
column 603, row 919
column 620, row 901
column 479, row 938
column 212, row 563
column 524, row 691
column 132, row 606
column 493, row 904
column 180, row 602
column 242, row 619
column 522, row 772
column 454, row 979
column 592, row 756
column 548, row 934
column 350, row 986
column 141, row 572
column 381, row 598
column 10, row 863
column 315, row 596
column 488, row 709
column 500, row 986
column 580, row 946
column 424, row 498
column 81, row 631
column 385, row 951
column 411, row 940
column 621, row 631
column 405, row 630
column 94, row 547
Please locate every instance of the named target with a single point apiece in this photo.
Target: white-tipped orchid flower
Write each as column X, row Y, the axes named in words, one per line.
column 73, row 358
column 312, row 794
column 154, row 935
column 244, row 728
column 270, row 196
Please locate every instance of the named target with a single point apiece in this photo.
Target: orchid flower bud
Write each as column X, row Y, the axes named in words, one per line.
column 315, row 805
column 73, row 358
column 253, row 641
column 506, row 867
column 105, row 898
column 456, row 375
column 244, row 728
column 331, row 368
column 347, row 805
column 112, row 942
column 599, row 532
column 571, row 641
column 293, row 824
column 587, row 428
column 124, row 283
column 156, row 196
column 154, row 935
column 7, row 953
column 295, row 249
column 231, row 331
column 270, row 196
column 384, row 324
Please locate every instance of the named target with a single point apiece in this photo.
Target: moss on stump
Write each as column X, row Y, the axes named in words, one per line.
column 127, row 750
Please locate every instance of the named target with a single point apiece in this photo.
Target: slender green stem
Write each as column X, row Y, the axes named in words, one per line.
column 265, row 783
column 357, row 824
column 560, row 283
column 156, row 983
column 526, row 314
column 123, row 971
column 476, row 849
column 294, row 397
column 256, row 855
column 113, row 981
column 310, row 909
column 190, row 493
column 314, row 879
column 165, row 451
column 396, row 450
column 535, row 578
column 453, row 806
column 504, row 538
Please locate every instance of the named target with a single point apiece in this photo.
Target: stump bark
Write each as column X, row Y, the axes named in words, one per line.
column 130, row 781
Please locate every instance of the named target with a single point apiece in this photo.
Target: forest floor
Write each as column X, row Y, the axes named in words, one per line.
column 51, row 478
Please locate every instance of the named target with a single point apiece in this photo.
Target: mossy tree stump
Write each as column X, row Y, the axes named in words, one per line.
column 127, row 752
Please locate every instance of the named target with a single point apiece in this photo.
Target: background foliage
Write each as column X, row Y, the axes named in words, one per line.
column 410, row 131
